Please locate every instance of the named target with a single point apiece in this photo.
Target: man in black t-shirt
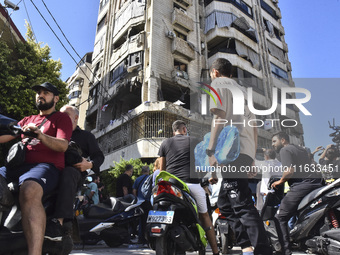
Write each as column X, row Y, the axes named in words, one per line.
column 175, row 159
column 124, row 182
column 294, row 159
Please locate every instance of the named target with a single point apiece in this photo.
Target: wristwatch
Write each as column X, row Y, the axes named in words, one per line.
column 209, row 152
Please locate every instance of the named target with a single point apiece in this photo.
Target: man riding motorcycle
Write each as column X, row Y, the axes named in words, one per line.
column 44, row 161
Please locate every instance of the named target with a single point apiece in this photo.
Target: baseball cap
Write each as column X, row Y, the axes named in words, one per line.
column 48, row 86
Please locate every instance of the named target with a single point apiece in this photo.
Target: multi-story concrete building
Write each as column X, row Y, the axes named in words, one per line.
column 9, row 33
column 150, row 56
column 78, row 85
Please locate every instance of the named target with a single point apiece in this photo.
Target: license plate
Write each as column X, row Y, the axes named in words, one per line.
column 160, row 217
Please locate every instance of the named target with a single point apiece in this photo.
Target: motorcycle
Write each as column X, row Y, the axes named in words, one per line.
column 113, row 221
column 317, row 227
column 12, row 239
column 173, row 226
column 224, row 233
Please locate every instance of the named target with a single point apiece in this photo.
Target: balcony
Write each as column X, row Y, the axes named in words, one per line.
column 181, row 48
column 179, row 18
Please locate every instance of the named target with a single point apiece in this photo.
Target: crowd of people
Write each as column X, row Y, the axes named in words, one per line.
column 37, row 177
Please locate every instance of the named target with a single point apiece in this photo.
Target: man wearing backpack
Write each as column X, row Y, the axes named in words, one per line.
column 146, row 206
column 137, row 186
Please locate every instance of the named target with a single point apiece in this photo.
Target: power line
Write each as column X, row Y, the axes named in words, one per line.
column 59, row 40
column 101, row 85
column 29, row 19
column 55, row 21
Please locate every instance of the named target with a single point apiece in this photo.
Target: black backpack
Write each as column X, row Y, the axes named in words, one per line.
column 146, row 188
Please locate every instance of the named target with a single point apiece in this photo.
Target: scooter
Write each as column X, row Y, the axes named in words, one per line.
column 113, row 221
column 224, row 233
column 12, row 239
column 317, row 226
column 173, row 226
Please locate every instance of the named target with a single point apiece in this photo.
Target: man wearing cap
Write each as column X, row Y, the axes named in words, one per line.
column 44, row 161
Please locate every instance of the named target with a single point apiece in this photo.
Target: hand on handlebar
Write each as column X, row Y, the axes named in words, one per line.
column 276, row 184
column 31, row 131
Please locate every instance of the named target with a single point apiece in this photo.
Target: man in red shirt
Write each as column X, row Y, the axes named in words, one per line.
column 44, row 161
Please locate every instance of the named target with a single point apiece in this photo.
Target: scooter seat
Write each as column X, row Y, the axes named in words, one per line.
column 318, row 192
column 119, row 204
column 310, row 197
column 100, row 211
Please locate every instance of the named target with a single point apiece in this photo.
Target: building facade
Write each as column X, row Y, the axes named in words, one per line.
column 9, row 33
column 151, row 57
column 78, row 85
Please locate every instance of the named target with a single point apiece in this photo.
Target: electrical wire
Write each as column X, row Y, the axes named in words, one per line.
column 77, row 64
column 55, row 21
column 155, row 143
column 29, row 19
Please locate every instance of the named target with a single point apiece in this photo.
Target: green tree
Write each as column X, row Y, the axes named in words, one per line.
column 27, row 64
column 109, row 178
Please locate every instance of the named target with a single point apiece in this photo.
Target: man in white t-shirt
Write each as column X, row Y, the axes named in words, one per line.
column 235, row 197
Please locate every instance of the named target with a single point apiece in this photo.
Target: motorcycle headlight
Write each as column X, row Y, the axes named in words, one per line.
column 334, row 193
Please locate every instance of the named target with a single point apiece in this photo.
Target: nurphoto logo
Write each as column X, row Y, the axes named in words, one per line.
column 239, row 103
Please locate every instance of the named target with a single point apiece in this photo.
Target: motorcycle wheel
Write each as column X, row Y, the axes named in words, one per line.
column 112, row 243
column 201, row 252
column 164, row 246
column 224, row 243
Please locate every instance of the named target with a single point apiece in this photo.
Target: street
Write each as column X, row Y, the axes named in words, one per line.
column 102, row 248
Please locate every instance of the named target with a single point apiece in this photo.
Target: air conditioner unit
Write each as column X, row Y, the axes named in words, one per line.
column 184, row 11
column 171, row 35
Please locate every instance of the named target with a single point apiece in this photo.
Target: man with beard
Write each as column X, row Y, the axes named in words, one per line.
column 293, row 159
column 44, row 161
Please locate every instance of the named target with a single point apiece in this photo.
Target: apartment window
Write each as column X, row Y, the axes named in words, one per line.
column 101, row 23
column 117, row 72
column 181, row 69
column 269, row 9
column 74, row 94
column 273, row 31
column 135, row 59
column 102, row 4
column 120, row 41
column 240, row 4
column 93, row 96
column 247, row 79
column 288, row 96
column 180, row 35
column 279, row 73
column 226, row 46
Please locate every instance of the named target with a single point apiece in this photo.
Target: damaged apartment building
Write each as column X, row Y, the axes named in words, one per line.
column 151, row 58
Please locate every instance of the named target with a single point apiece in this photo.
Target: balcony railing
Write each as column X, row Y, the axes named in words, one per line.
column 148, row 125
column 182, row 20
column 181, row 47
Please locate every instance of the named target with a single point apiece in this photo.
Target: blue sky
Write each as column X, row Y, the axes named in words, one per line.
column 312, row 35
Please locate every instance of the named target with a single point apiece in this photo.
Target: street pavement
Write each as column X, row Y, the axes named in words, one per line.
column 102, row 248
